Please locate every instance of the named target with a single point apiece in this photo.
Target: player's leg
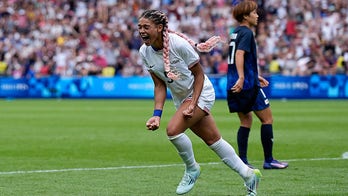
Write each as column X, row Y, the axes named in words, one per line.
column 265, row 117
column 175, row 131
column 192, row 169
column 242, row 103
column 264, row 113
column 207, row 130
column 243, row 135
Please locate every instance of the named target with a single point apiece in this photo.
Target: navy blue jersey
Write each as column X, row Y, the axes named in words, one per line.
column 242, row 38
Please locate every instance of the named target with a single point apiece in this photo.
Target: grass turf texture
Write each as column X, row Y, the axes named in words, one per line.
column 101, row 147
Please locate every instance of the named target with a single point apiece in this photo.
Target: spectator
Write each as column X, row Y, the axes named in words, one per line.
column 60, row 29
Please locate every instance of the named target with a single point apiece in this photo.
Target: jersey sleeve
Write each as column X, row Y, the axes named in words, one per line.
column 245, row 41
column 185, row 50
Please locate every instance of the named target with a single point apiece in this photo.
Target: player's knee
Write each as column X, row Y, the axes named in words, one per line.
column 171, row 131
column 210, row 141
column 246, row 122
column 267, row 121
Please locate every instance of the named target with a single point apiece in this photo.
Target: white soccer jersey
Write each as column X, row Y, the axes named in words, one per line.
column 181, row 56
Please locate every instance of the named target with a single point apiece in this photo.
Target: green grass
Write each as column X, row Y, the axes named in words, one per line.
column 101, row 147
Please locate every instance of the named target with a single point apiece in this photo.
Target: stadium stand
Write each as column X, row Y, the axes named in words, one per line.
column 99, row 37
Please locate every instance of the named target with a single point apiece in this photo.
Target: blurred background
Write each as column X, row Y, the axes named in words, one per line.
column 89, row 48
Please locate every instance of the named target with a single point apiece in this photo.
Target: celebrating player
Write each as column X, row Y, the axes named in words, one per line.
column 172, row 62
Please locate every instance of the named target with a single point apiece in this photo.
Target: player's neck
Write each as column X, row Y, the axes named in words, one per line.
column 157, row 46
column 245, row 24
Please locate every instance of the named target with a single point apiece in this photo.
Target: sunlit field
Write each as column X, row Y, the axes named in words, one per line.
column 101, row 147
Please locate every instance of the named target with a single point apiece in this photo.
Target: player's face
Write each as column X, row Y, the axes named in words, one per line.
column 252, row 18
column 150, row 33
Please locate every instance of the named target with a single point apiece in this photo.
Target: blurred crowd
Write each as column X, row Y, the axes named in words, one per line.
column 99, row 37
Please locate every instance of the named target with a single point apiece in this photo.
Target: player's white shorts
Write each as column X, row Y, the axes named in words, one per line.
column 207, row 98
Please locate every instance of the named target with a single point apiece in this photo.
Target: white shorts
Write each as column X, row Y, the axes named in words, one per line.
column 207, row 98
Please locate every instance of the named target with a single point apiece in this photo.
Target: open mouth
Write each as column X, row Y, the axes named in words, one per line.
column 145, row 38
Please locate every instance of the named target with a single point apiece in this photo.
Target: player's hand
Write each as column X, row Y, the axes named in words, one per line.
column 263, row 81
column 238, row 86
column 188, row 112
column 153, row 123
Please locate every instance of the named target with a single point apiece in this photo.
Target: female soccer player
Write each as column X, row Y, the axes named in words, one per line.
column 244, row 93
column 172, row 62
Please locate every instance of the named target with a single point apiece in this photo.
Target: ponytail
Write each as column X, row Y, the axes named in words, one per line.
column 206, row 46
column 159, row 17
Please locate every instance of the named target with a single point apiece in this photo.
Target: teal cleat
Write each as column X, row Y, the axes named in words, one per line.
column 188, row 181
column 252, row 183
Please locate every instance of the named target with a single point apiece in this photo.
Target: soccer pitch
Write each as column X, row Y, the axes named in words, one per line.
column 101, row 147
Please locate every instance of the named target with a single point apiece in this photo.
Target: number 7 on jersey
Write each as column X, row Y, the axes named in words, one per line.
column 232, row 48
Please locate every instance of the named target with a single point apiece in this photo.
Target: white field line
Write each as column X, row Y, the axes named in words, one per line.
column 141, row 167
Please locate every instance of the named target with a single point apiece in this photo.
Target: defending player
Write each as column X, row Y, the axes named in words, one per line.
column 244, row 92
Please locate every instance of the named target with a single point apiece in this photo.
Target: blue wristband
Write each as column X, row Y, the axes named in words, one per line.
column 157, row 113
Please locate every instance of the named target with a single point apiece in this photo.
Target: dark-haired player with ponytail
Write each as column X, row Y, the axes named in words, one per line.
column 173, row 63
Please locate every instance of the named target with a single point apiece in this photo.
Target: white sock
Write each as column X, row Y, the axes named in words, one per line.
column 183, row 145
column 228, row 155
